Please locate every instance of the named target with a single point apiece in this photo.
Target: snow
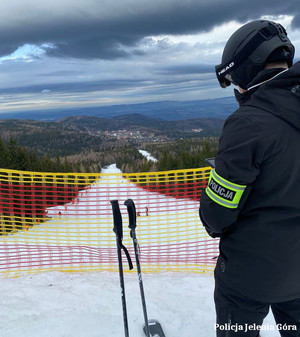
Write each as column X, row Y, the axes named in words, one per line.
column 111, row 169
column 57, row 304
column 147, row 155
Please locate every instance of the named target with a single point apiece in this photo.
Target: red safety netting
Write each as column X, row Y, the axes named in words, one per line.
column 64, row 221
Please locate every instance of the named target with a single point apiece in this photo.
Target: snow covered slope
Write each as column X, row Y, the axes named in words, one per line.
column 58, row 304
column 78, row 235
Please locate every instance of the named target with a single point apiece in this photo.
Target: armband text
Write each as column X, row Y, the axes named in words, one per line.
column 224, row 192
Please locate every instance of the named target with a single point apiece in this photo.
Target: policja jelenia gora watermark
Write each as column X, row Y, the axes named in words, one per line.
column 255, row 327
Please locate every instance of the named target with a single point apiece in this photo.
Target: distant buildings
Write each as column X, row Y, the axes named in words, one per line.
column 135, row 135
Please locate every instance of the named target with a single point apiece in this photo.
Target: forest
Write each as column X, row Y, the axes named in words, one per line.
column 16, row 157
column 175, row 154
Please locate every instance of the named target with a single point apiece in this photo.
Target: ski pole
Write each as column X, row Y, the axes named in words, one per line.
column 118, row 229
column 132, row 225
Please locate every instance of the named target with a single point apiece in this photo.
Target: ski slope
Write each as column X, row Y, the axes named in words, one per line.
column 79, row 234
column 56, row 304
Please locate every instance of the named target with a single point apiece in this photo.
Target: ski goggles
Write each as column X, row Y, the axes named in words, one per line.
column 223, row 76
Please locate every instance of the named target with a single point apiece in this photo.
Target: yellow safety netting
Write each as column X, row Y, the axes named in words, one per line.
column 55, row 221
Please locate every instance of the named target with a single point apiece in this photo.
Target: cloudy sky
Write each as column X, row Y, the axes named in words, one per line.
column 65, row 53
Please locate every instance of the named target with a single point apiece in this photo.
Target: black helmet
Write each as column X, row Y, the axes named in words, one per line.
column 250, row 48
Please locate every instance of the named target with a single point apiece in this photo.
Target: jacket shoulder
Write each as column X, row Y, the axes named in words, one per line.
column 257, row 117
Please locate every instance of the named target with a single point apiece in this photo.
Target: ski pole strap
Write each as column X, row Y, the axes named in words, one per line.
column 224, row 192
column 127, row 254
column 118, row 229
column 131, row 213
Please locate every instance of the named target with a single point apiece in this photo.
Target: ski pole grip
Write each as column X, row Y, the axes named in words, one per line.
column 118, row 229
column 131, row 213
column 118, row 225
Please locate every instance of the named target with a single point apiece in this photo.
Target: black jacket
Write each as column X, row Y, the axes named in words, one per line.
column 260, row 148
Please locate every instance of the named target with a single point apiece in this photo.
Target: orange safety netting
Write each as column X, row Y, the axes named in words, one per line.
column 55, row 221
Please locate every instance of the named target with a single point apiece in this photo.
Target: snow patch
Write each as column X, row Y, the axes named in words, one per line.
column 110, row 169
column 147, row 155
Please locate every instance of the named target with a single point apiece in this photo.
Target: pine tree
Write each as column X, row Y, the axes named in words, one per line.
column 22, row 159
column 12, row 154
column 3, row 154
column 47, row 164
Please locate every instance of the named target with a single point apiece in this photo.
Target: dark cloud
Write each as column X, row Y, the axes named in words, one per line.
column 74, row 87
column 70, row 87
column 104, row 29
column 90, row 48
column 7, row 49
column 296, row 21
column 184, row 69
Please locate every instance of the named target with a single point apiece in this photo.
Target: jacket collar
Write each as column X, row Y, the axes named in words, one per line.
column 262, row 77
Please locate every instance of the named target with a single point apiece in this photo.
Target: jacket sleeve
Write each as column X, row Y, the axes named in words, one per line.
column 238, row 163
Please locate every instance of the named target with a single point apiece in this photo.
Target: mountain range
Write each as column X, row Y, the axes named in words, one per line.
column 218, row 108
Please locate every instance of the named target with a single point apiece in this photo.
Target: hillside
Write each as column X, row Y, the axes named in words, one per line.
column 138, row 120
column 73, row 135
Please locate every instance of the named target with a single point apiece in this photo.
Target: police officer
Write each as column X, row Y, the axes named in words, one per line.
column 252, row 200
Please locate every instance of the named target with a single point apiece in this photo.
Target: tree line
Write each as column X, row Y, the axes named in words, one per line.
column 172, row 155
column 16, row 157
column 184, row 153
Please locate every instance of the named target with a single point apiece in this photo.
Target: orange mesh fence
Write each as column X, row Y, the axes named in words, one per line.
column 54, row 221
